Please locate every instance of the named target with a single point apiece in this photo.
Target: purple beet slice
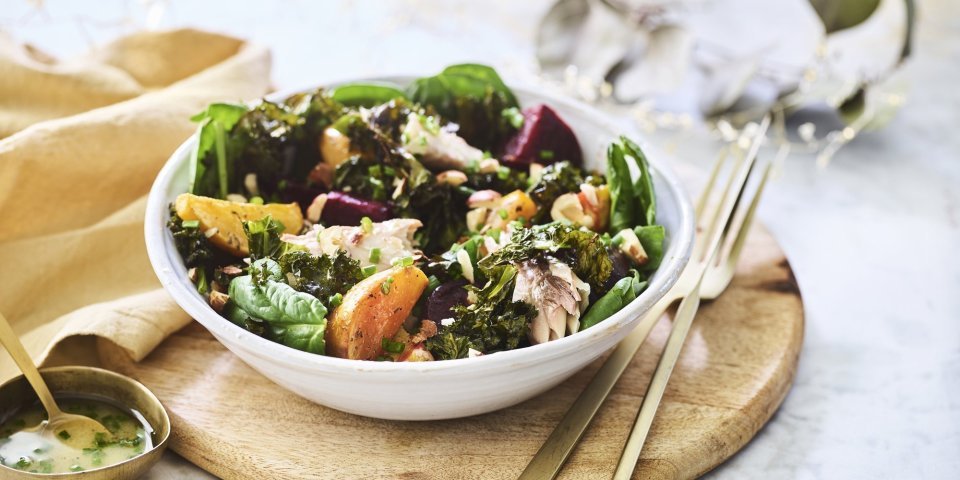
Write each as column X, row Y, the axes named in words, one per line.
column 343, row 209
column 545, row 138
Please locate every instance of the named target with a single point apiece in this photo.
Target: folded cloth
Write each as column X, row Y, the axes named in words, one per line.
column 82, row 141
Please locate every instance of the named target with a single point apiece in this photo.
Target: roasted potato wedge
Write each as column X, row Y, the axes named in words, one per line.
column 372, row 310
column 227, row 219
column 513, row 205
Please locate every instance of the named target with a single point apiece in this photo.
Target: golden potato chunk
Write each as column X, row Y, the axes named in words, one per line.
column 372, row 310
column 512, row 206
column 222, row 220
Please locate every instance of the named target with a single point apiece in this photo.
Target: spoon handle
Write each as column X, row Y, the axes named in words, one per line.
column 23, row 360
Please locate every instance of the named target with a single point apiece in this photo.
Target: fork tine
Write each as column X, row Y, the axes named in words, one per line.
column 708, row 187
column 721, row 215
column 731, row 252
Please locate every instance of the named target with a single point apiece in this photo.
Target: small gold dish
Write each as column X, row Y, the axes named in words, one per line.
column 93, row 383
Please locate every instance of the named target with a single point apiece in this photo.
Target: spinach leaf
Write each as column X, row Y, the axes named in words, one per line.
column 623, row 292
column 651, row 238
column 582, row 250
column 210, row 164
column 472, row 96
column 293, row 318
column 632, row 199
column 622, row 201
column 493, row 323
column 643, row 185
column 366, row 94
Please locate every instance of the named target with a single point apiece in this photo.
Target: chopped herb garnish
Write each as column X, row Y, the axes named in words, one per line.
column 335, row 300
column 385, row 286
column 513, row 116
column 374, row 255
column 391, row 346
column 366, row 224
column 402, row 261
column 256, row 200
column 191, row 224
column 503, row 173
column 502, row 213
column 369, row 270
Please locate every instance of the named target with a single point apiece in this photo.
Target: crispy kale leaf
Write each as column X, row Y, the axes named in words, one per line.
column 263, row 237
column 493, row 323
column 320, row 276
column 379, row 167
column 275, row 141
column 583, row 250
column 555, row 180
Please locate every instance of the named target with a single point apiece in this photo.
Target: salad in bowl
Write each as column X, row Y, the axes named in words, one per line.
column 432, row 223
column 416, row 248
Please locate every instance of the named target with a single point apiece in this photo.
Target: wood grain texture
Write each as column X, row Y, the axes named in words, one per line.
column 735, row 370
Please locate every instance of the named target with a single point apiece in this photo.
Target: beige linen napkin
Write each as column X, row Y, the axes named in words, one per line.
column 83, row 142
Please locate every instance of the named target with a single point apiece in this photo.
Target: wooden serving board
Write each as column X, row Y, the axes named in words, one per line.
column 737, row 366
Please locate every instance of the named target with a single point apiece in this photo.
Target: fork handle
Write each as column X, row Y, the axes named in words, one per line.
column 549, row 459
column 658, row 384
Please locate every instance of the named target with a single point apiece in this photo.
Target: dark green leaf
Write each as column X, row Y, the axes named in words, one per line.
column 555, row 180
column 632, row 199
column 651, row 238
column 322, row 276
column 209, row 156
column 840, row 14
column 582, row 250
column 295, row 319
column 366, row 94
column 263, row 237
column 493, row 323
column 472, row 96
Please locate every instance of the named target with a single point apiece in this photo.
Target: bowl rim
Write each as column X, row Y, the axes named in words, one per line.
column 171, row 272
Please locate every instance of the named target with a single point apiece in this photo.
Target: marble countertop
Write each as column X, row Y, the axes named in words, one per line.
column 870, row 238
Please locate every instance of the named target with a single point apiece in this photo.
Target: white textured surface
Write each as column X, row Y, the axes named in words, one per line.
column 872, row 239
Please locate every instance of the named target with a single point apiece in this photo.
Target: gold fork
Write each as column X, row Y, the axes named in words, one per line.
column 701, row 273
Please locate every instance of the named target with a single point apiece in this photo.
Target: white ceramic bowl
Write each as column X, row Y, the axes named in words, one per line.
column 443, row 389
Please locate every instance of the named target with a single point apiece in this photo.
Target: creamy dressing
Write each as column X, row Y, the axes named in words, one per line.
column 26, row 445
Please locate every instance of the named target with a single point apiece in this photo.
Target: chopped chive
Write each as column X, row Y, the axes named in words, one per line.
column 374, row 255
column 335, row 300
column 366, row 224
column 502, row 213
column 494, row 233
column 513, row 116
column 191, row 224
column 546, row 154
column 385, row 286
column 391, row 346
column 616, row 241
column 257, row 200
column 402, row 261
column 503, row 173
column 375, row 170
column 369, row 270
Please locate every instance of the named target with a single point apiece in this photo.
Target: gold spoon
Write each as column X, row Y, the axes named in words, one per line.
column 76, row 431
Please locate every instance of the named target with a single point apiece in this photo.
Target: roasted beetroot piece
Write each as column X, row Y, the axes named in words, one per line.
column 343, row 209
column 440, row 303
column 544, row 139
